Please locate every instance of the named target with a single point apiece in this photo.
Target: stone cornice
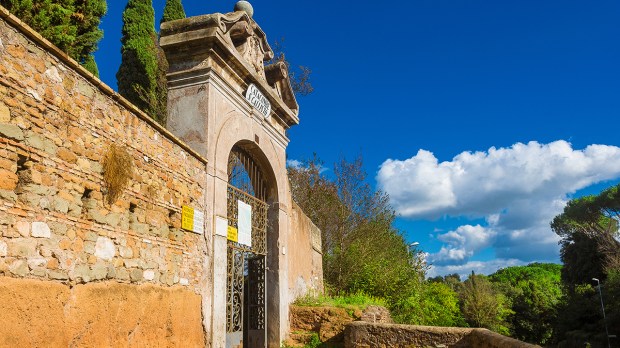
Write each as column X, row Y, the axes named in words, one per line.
column 189, row 42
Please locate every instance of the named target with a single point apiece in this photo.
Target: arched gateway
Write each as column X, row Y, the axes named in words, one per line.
column 224, row 102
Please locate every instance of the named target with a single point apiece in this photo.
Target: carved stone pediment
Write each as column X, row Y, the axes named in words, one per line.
column 240, row 44
column 278, row 78
column 249, row 40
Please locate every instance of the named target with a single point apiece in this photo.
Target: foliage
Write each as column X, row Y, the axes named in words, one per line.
column 138, row 74
column 117, row 170
column 300, row 77
column 483, row 306
column 314, row 341
column 173, row 11
column 588, row 228
column 357, row 300
column 72, row 25
column 362, row 252
column 534, row 292
column 437, row 305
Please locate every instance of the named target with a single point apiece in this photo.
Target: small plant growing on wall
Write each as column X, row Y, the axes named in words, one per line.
column 117, row 170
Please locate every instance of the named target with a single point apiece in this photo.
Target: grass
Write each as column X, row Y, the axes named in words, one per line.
column 347, row 301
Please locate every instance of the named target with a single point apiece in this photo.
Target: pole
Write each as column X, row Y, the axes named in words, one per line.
column 600, row 293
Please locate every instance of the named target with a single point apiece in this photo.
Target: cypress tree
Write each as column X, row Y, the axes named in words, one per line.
column 172, row 11
column 71, row 25
column 87, row 17
column 137, row 75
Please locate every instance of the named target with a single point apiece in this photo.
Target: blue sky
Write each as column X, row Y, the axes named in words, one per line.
column 480, row 118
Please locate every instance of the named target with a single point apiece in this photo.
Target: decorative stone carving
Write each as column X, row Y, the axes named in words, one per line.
column 250, row 42
column 278, row 77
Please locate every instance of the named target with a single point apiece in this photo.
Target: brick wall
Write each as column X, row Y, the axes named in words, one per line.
column 57, row 122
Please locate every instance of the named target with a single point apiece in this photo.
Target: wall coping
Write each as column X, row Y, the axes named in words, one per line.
column 94, row 80
column 484, row 337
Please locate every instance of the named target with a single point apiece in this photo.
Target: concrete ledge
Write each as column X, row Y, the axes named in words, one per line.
column 363, row 334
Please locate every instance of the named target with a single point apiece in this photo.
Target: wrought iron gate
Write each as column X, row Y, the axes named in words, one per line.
column 246, row 281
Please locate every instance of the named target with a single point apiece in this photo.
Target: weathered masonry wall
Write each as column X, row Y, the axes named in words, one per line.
column 60, row 240
column 365, row 335
column 306, row 259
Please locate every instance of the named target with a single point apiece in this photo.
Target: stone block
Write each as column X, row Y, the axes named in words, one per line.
column 37, row 262
column 4, row 249
column 132, row 263
column 11, row 131
column 149, row 274
column 136, row 275
column 8, row 195
column 125, row 252
column 40, row 230
column 99, row 271
column 58, row 275
column 60, row 205
column 58, row 228
column 22, row 247
column 23, row 228
column 81, row 272
column 19, row 268
column 89, row 247
column 91, row 236
column 5, row 113
column 104, row 249
column 122, row 273
column 8, row 180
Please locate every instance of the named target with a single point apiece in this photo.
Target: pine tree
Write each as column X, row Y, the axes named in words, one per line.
column 71, row 25
column 137, row 75
column 172, row 11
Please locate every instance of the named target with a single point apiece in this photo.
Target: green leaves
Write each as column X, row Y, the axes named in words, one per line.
column 141, row 78
column 362, row 251
column 72, row 25
column 172, row 11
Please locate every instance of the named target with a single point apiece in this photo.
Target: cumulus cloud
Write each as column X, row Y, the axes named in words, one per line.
column 293, row 163
column 480, row 267
column 518, row 190
column 461, row 244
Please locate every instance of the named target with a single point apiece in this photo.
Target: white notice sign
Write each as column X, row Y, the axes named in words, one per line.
column 244, row 224
column 199, row 222
column 221, row 226
column 258, row 100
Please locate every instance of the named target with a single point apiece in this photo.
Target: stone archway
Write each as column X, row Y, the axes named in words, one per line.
column 252, row 282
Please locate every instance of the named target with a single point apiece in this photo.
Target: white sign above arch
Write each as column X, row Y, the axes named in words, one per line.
column 258, row 100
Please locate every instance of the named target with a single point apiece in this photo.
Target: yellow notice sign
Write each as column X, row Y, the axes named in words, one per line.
column 187, row 218
column 232, row 234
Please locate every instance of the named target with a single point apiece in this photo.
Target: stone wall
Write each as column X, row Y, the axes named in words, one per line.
column 305, row 257
column 362, row 334
column 57, row 122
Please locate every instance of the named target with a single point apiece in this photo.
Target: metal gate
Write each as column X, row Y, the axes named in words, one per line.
column 246, row 281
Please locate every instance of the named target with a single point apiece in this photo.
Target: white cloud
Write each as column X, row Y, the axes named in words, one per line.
column 479, row 267
column 294, row 164
column 461, row 244
column 301, row 165
column 518, row 190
